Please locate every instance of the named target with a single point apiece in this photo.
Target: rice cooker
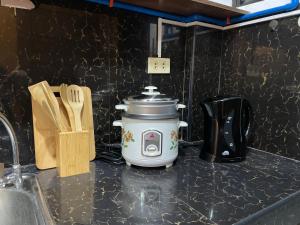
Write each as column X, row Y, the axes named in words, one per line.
column 150, row 125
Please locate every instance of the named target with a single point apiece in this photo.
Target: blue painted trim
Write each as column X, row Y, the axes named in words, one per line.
column 200, row 18
column 161, row 14
column 284, row 8
column 139, row 9
column 205, row 19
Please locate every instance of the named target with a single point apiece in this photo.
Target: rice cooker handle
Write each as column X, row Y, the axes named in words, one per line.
column 180, row 106
column 118, row 123
column 150, row 88
column 121, row 107
column 150, row 91
column 182, row 124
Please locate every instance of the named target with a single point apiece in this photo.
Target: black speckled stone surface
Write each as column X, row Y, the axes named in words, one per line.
column 73, row 41
column 191, row 192
column 284, row 212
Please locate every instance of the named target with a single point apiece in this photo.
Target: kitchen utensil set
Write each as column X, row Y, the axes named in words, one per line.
column 63, row 128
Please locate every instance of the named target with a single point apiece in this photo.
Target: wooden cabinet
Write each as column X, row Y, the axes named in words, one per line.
column 189, row 7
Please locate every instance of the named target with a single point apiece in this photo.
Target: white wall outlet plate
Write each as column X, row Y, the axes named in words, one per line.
column 158, row 65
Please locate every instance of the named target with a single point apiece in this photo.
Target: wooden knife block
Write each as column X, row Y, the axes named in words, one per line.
column 72, row 154
column 54, row 149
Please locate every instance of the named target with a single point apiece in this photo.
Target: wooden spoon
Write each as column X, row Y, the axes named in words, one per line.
column 64, row 98
column 53, row 103
column 40, row 96
column 75, row 98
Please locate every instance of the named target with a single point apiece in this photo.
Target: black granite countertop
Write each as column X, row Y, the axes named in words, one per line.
column 193, row 191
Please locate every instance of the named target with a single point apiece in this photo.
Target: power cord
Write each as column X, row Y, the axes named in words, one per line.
column 110, row 153
column 185, row 144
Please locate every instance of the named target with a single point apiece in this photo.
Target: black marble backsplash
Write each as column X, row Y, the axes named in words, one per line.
column 86, row 44
column 261, row 65
column 107, row 49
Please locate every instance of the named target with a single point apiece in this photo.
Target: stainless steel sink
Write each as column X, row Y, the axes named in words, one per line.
column 25, row 206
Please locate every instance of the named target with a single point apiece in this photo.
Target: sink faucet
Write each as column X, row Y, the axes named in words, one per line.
column 14, row 177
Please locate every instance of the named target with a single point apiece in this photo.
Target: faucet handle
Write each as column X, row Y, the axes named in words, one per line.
column 1, row 170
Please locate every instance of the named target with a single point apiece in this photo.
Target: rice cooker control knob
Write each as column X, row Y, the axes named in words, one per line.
column 151, row 143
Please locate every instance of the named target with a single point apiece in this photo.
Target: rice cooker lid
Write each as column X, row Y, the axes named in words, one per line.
column 150, row 96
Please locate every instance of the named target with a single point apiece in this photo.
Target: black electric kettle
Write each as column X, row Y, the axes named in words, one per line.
column 228, row 123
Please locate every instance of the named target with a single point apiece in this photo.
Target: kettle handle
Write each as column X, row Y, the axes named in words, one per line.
column 248, row 124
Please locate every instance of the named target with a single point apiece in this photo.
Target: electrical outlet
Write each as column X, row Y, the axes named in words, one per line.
column 158, row 65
